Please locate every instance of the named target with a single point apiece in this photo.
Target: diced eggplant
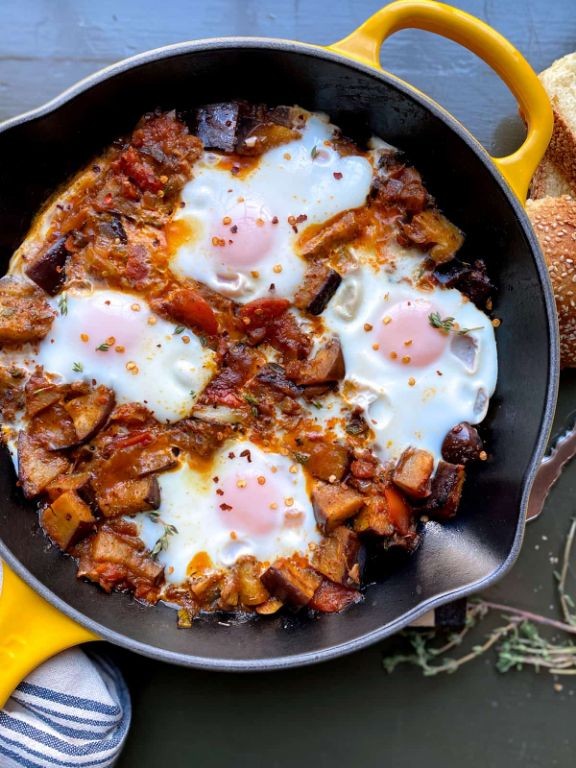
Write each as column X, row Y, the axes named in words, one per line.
column 152, row 459
column 338, row 557
column 54, row 428
column 291, row 581
column 341, row 228
column 67, row 519
column 462, row 444
column 48, row 269
column 109, row 547
column 218, row 414
column 12, row 397
column 374, row 519
column 334, row 504
column 25, row 315
column 471, row 279
column 325, row 461
column 77, row 481
column 90, row 412
column 431, row 231
column 447, row 487
column 326, row 366
column 129, row 497
column 320, row 284
column 216, row 125
column 200, row 436
column 206, row 587
column 42, row 394
column 274, row 376
column 37, row 466
column 333, row 598
column 398, row 185
column 251, row 590
column 413, row 471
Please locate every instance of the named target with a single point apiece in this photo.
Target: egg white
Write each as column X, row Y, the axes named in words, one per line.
column 303, row 177
column 189, row 502
column 156, row 367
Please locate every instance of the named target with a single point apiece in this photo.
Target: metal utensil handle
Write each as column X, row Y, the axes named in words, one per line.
column 562, row 451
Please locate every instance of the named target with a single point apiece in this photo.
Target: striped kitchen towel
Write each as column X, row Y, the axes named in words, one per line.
column 74, row 710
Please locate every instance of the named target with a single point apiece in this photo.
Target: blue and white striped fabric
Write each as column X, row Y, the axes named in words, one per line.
column 72, row 711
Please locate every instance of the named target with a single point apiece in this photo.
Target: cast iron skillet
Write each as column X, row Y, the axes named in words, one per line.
column 39, row 150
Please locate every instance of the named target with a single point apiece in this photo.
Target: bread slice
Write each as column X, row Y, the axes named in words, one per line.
column 554, row 221
column 559, row 80
column 549, row 181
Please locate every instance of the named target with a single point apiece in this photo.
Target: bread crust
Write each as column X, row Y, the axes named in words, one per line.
column 550, row 181
column 554, row 221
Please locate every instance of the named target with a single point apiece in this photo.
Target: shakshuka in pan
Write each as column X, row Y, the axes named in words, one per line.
column 239, row 352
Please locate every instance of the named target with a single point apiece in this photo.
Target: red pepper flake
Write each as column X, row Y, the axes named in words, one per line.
column 337, row 175
column 246, row 455
column 234, row 228
column 235, row 170
column 231, row 455
column 275, row 220
column 219, row 492
column 225, row 507
column 216, row 479
column 302, row 217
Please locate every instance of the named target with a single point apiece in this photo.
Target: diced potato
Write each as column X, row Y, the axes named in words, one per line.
column 89, row 412
column 413, row 471
column 37, row 466
column 338, row 557
column 334, row 504
column 67, row 519
column 129, row 497
column 291, row 581
column 25, row 315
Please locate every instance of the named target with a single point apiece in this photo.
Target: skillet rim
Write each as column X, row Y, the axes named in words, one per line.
column 548, row 408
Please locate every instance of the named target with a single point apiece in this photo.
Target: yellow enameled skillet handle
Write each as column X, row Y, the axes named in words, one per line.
column 365, row 42
column 31, row 631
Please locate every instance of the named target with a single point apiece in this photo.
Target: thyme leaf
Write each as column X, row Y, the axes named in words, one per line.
column 77, row 367
column 178, row 329
column 103, row 347
column 63, row 304
column 314, row 152
column 162, row 543
column 448, row 325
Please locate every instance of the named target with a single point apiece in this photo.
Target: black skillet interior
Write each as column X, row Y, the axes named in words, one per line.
column 37, row 155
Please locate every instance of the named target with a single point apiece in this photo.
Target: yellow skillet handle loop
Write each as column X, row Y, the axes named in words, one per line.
column 365, row 42
column 31, row 631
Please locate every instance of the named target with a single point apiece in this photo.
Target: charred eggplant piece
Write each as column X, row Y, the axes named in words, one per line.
column 54, row 428
column 320, row 284
column 129, row 497
column 216, row 125
column 67, row 519
column 48, row 269
column 41, row 394
column 446, row 493
column 333, row 598
column 462, row 444
column 291, row 581
column 471, row 279
column 25, row 315
column 374, row 519
column 37, row 466
column 338, row 557
column 334, row 504
column 274, row 376
column 90, row 412
column 431, row 231
column 413, row 471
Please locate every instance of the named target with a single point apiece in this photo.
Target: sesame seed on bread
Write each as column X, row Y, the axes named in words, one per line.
column 554, row 221
column 550, row 181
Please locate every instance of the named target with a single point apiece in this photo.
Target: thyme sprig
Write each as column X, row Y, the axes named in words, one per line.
column 518, row 642
column 63, row 304
column 162, row 543
column 448, row 325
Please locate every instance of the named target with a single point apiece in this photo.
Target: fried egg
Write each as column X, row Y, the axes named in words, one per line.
column 241, row 238
column 114, row 339
column 413, row 380
column 248, row 503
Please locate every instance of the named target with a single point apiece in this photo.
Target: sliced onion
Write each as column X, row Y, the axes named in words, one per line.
column 218, row 414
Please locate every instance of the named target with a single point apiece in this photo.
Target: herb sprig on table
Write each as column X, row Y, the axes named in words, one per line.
column 517, row 641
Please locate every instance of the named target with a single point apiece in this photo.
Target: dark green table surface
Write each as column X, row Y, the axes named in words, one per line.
column 346, row 712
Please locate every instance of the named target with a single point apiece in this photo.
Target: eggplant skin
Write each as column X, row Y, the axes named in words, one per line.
column 48, row 270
